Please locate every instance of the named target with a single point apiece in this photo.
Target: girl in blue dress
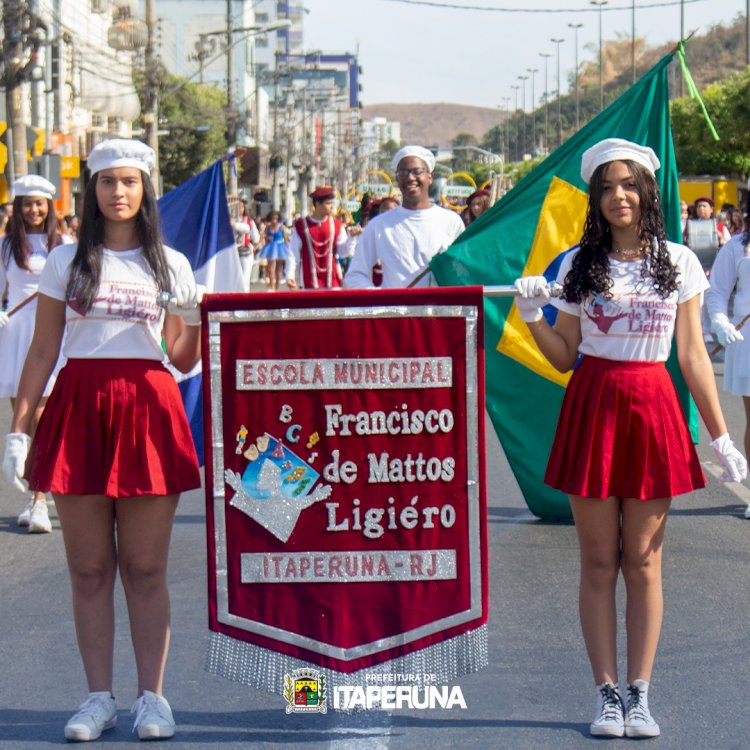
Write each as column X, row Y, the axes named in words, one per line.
column 275, row 251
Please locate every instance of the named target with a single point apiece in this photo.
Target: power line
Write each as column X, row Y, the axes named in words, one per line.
column 458, row 6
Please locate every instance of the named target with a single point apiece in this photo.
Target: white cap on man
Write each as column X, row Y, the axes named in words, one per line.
column 121, row 152
column 33, row 185
column 617, row 149
column 419, row 151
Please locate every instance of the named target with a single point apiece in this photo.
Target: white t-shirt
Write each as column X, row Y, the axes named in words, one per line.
column 403, row 240
column 22, row 283
column 636, row 324
column 125, row 321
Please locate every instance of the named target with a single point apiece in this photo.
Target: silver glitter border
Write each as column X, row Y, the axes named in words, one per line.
column 470, row 314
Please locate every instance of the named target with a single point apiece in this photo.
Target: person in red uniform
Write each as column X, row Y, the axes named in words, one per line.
column 314, row 244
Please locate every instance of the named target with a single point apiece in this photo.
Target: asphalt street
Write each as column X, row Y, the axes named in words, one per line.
column 535, row 694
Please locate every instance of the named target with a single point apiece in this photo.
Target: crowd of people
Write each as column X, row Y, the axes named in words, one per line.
column 80, row 365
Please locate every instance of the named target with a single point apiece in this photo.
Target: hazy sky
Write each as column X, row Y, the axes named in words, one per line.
column 425, row 53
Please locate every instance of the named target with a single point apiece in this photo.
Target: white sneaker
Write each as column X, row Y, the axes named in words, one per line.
column 39, row 518
column 97, row 713
column 23, row 516
column 609, row 720
column 153, row 717
column 747, row 515
column 638, row 719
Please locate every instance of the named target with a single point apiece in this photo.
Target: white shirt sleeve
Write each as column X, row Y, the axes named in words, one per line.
column 571, row 308
column 293, row 259
column 254, row 234
column 341, row 239
column 54, row 278
column 723, row 279
column 359, row 275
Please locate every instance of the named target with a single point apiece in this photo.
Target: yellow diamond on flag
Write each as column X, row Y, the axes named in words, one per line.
column 560, row 227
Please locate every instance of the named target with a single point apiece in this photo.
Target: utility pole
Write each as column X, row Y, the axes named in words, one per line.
column 151, row 115
column 231, row 106
column 13, row 70
column 600, row 4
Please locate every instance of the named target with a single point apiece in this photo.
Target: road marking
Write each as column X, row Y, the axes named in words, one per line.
column 373, row 740
column 742, row 492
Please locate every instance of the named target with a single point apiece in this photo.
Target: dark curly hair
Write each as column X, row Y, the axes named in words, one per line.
column 589, row 273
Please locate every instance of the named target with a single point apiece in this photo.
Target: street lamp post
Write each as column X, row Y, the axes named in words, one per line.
column 546, row 56
column 515, row 112
column 533, row 72
column 632, row 52
column 600, row 4
column 575, row 27
column 557, row 43
column 523, row 80
column 506, row 152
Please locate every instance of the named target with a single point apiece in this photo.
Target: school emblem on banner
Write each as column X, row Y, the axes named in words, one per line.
column 345, row 486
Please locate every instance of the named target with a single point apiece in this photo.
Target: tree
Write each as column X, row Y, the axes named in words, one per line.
column 194, row 117
column 728, row 104
column 386, row 153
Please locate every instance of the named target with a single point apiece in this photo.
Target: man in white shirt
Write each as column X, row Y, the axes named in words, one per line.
column 406, row 238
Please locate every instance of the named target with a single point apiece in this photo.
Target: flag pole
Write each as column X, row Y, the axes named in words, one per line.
column 25, row 302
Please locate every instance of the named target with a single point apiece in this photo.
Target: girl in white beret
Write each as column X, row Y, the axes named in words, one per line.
column 113, row 446
column 30, row 236
column 622, row 449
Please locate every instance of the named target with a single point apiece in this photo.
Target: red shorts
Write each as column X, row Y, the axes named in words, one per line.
column 622, row 433
column 113, row 427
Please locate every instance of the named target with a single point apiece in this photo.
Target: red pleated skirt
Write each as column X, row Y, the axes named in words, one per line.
column 622, row 432
column 114, row 427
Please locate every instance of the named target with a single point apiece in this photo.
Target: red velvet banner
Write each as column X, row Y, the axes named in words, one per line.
column 345, row 471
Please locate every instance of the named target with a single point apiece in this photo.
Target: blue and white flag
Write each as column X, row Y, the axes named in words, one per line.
column 195, row 220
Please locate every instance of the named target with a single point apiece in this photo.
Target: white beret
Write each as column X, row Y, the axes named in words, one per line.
column 121, row 152
column 617, row 149
column 419, row 151
column 33, row 185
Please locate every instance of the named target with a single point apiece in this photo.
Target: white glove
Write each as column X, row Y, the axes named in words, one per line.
column 4, row 320
column 14, row 461
column 725, row 332
column 533, row 295
column 185, row 302
column 734, row 463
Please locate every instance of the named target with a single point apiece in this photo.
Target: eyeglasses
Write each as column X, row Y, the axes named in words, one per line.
column 414, row 172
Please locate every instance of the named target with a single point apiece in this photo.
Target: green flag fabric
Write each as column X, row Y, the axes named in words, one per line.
column 526, row 232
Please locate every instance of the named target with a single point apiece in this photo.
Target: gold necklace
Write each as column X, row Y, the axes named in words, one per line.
column 629, row 253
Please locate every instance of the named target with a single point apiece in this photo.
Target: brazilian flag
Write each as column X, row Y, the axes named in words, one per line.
column 526, row 232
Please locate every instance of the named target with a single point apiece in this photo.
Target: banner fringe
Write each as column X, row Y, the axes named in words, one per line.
column 263, row 669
